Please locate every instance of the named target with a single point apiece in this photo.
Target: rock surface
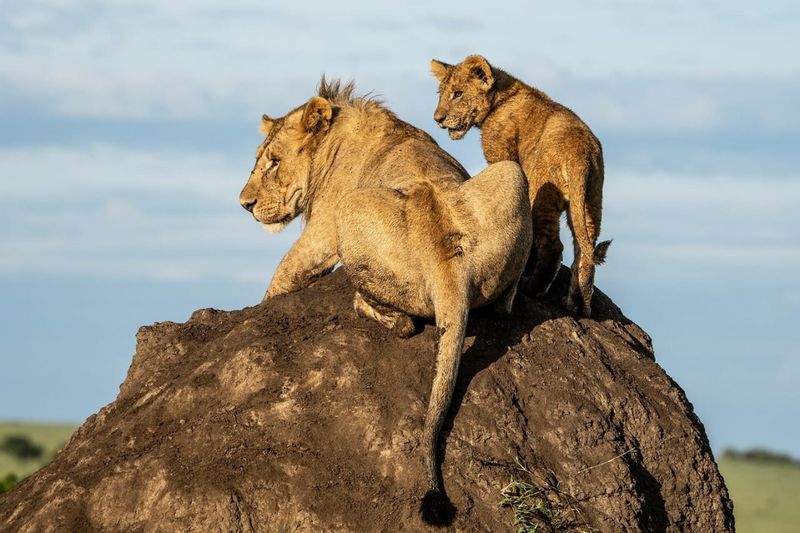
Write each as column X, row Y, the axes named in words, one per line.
column 295, row 415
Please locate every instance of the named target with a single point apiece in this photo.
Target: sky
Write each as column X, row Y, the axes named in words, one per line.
column 128, row 128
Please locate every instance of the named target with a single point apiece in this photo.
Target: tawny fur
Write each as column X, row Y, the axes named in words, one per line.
column 560, row 155
column 416, row 239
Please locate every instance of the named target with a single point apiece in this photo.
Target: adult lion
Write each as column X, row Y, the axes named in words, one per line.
column 416, row 239
column 560, row 155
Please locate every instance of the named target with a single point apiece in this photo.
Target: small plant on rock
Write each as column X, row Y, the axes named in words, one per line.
column 8, row 482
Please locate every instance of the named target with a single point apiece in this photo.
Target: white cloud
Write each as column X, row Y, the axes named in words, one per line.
column 52, row 172
column 637, row 66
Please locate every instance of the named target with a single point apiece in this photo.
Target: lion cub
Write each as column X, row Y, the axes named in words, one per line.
column 562, row 160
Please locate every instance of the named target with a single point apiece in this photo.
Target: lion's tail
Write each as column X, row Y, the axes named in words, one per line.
column 451, row 306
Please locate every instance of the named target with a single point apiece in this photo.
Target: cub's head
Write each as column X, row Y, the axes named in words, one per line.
column 276, row 191
column 465, row 92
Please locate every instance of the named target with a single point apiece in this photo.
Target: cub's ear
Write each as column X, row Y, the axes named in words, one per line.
column 317, row 115
column 266, row 125
column 440, row 69
column 480, row 69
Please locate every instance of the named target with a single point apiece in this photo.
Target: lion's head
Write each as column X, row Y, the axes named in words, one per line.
column 277, row 189
column 465, row 92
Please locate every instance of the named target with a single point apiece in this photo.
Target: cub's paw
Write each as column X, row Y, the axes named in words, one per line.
column 570, row 305
column 577, row 309
column 525, row 285
column 541, row 293
column 533, row 287
column 501, row 309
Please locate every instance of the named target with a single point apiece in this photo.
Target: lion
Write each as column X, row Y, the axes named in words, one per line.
column 560, row 155
column 414, row 234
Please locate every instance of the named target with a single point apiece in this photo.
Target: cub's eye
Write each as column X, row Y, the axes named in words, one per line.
column 457, row 94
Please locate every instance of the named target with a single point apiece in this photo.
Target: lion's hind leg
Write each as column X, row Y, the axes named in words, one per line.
column 400, row 323
column 584, row 216
column 505, row 303
column 545, row 259
column 581, row 285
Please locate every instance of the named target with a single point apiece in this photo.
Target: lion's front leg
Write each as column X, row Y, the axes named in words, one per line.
column 311, row 257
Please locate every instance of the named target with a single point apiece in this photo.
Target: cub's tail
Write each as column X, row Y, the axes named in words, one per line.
column 600, row 251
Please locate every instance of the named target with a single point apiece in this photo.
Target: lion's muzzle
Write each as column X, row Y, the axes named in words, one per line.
column 248, row 204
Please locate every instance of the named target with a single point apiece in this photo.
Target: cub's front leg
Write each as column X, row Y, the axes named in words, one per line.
column 311, row 257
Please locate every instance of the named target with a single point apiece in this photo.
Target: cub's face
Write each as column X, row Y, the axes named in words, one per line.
column 276, row 190
column 464, row 94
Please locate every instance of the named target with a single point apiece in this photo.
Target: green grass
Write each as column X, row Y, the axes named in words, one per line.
column 50, row 437
column 536, row 504
column 766, row 496
column 533, row 505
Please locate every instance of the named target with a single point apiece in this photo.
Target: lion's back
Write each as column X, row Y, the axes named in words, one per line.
column 412, row 160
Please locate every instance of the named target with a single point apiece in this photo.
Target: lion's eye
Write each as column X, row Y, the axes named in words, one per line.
column 457, row 94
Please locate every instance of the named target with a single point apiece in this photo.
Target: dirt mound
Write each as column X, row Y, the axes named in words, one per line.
column 295, row 415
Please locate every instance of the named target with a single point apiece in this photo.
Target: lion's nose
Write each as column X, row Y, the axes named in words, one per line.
column 249, row 205
column 439, row 117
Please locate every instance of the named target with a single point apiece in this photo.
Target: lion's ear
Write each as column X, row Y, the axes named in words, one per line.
column 480, row 69
column 440, row 69
column 266, row 125
column 317, row 115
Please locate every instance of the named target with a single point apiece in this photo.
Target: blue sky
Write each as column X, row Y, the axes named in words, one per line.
column 128, row 128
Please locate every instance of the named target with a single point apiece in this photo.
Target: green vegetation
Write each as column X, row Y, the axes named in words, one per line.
column 21, row 447
column 7, row 482
column 536, row 504
column 760, row 454
column 764, row 493
column 25, row 448
column 532, row 506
